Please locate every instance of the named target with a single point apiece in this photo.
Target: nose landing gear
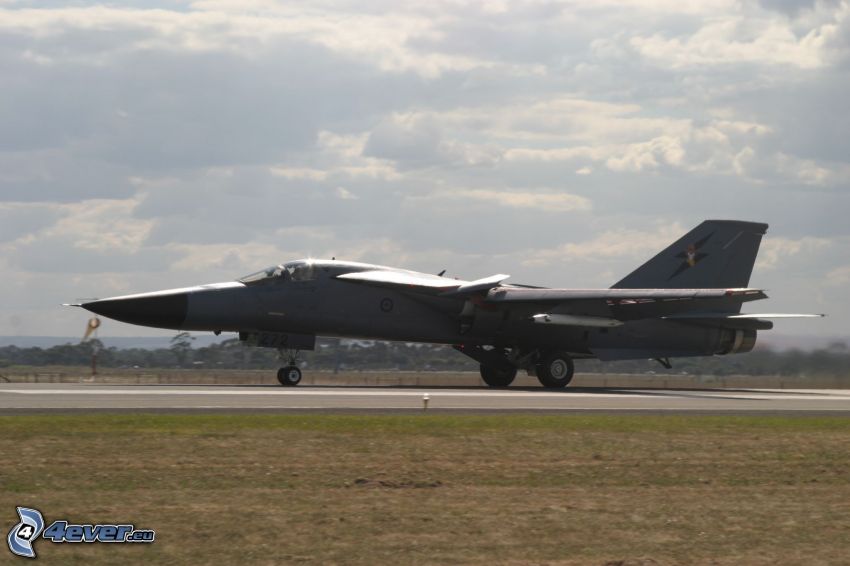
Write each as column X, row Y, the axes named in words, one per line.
column 289, row 375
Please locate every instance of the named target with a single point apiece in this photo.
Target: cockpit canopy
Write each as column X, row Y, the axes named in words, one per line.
column 290, row 271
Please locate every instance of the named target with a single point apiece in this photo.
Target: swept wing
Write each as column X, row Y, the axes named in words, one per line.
column 586, row 307
column 409, row 280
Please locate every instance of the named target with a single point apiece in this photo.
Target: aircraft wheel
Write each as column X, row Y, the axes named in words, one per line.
column 497, row 377
column 289, row 375
column 555, row 370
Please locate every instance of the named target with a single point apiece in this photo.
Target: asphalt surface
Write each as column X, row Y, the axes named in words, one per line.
column 16, row 398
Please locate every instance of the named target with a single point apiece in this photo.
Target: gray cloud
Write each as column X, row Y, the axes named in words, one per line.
column 790, row 7
column 560, row 142
column 18, row 221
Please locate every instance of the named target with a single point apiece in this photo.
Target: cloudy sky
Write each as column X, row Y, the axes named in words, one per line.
column 146, row 145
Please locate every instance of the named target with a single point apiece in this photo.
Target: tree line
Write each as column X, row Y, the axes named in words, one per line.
column 334, row 354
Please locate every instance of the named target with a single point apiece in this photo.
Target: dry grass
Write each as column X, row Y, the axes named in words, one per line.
column 438, row 489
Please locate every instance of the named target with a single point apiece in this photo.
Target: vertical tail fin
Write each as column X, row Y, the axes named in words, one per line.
column 715, row 254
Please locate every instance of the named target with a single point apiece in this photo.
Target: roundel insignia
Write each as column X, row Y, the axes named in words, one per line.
column 386, row 304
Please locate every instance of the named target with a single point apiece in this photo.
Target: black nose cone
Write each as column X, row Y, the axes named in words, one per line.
column 158, row 310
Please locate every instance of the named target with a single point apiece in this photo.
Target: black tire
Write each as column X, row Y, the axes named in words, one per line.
column 289, row 375
column 497, row 377
column 555, row 370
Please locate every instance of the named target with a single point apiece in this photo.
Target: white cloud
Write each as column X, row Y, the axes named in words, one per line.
column 345, row 194
column 774, row 251
column 347, row 153
column 225, row 26
column 838, row 277
column 737, row 39
column 299, row 173
column 543, row 201
column 783, row 168
column 810, row 171
column 648, row 155
column 557, row 154
column 204, row 258
column 610, row 244
column 98, row 225
column 718, row 146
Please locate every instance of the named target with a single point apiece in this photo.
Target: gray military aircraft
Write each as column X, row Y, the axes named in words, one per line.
column 685, row 301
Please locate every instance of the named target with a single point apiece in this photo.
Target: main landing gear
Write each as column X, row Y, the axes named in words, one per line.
column 497, row 376
column 289, row 375
column 554, row 369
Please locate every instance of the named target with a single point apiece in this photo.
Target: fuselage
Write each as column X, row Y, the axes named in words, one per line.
column 305, row 297
column 684, row 301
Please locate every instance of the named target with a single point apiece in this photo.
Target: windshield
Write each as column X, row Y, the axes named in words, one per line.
column 292, row 271
column 264, row 275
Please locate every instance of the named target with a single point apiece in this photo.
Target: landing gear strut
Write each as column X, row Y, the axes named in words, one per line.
column 289, row 375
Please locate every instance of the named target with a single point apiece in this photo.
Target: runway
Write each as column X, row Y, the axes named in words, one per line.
column 16, row 398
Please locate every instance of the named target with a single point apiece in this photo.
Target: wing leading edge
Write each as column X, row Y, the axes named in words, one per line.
column 401, row 279
column 423, row 281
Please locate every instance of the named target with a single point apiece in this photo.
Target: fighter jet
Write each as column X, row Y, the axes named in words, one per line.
column 685, row 301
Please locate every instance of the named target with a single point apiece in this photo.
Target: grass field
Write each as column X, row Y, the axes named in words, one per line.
column 515, row 489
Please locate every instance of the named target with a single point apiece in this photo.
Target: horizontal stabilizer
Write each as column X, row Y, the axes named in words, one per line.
column 516, row 294
column 739, row 316
column 755, row 321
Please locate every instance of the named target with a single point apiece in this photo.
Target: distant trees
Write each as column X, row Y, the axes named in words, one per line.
column 332, row 354
column 181, row 345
